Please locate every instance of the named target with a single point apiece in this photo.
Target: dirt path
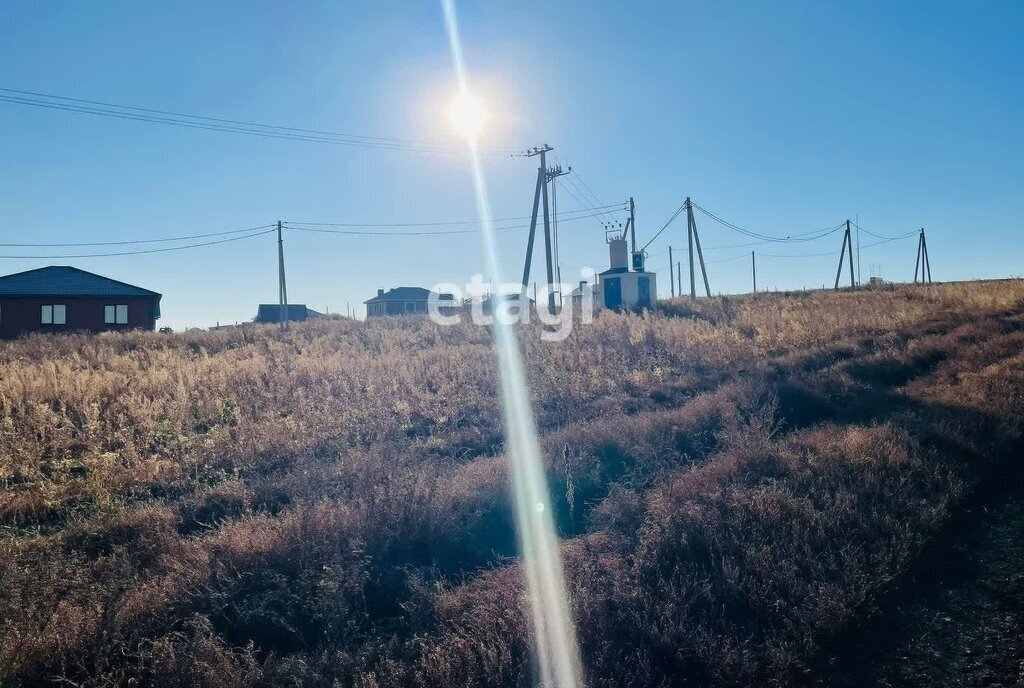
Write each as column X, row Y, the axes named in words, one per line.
column 961, row 623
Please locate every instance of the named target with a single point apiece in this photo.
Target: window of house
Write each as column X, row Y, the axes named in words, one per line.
column 55, row 314
column 116, row 314
column 410, row 306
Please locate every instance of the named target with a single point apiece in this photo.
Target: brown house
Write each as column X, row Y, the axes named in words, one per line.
column 60, row 298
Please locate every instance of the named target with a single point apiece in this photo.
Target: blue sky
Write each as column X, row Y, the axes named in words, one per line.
column 782, row 117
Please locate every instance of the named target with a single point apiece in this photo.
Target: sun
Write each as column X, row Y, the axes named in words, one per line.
column 468, row 115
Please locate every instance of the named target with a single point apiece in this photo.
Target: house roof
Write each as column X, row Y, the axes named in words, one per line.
column 271, row 312
column 407, row 294
column 64, row 280
column 614, row 271
column 508, row 297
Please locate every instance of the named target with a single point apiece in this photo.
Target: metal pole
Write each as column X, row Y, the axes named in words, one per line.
column 700, row 257
column 282, row 315
column 689, row 236
column 853, row 284
column 857, row 222
column 670, row 277
column 679, row 275
column 842, row 255
column 554, row 235
column 918, row 258
column 632, row 228
column 753, row 267
column 927, row 260
column 533, row 227
column 547, row 233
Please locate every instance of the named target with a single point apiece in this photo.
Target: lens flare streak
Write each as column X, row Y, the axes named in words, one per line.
column 554, row 634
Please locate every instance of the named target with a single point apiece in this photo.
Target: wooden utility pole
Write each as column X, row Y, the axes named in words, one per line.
column 671, row 279
column 922, row 262
column 551, row 242
column 753, row 267
column 847, row 242
column 533, row 226
column 694, row 239
column 540, row 198
column 281, row 285
column 927, row 260
column 632, row 230
column 689, row 240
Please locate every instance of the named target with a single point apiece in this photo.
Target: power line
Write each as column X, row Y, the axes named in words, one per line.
column 726, row 260
column 154, row 116
column 804, row 236
column 882, row 236
column 665, row 226
column 227, row 121
column 220, row 128
column 443, row 232
column 152, row 250
column 832, row 253
column 569, row 216
column 585, row 190
column 583, row 204
column 445, row 223
column 139, row 241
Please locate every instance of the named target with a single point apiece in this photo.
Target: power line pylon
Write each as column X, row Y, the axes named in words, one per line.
column 693, row 237
column 540, row 197
column 922, row 264
column 847, row 243
column 554, row 270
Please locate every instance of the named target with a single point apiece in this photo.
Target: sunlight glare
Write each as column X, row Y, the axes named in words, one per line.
column 554, row 634
column 468, row 115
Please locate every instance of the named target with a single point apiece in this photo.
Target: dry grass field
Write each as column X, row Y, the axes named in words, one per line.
column 740, row 482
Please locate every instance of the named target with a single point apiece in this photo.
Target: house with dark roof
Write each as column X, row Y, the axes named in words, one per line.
column 60, row 298
column 405, row 301
column 272, row 312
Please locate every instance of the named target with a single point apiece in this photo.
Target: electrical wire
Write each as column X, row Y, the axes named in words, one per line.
column 444, row 232
column 726, row 260
column 139, row 241
column 444, row 224
column 831, row 253
column 186, row 237
column 665, row 226
column 221, row 128
column 882, row 236
column 153, row 116
column 152, row 250
column 804, row 236
column 228, row 121
column 586, row 203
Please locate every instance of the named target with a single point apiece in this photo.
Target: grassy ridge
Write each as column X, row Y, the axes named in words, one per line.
column 735, row 479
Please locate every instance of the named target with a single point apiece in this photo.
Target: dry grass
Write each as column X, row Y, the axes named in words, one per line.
column 736, row 480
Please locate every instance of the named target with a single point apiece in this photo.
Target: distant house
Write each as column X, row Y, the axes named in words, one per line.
column 578, row 294
column 271, row 313
column 60, row 298
column 404, row 301
column 511, row 300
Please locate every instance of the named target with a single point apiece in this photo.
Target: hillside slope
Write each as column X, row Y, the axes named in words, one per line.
column 741, row 483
